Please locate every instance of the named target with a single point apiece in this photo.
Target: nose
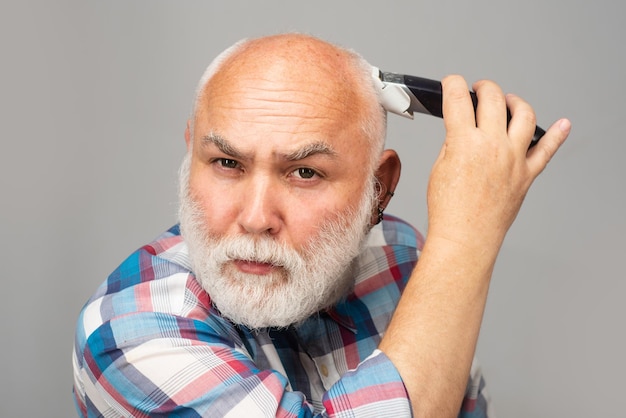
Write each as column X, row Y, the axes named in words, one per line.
column 259, row 213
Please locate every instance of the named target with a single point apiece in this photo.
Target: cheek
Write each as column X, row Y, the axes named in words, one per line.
column 302, row 222
column 304, row 218
column 218, row 215
column 215, row 204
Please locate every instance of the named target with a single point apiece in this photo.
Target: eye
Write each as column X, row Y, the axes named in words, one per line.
column 305, row 173
column 227, row 163
column 226, row 166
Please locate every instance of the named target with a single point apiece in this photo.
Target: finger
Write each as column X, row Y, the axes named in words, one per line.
column 523, row 121
column 458, row 111
column 541, row 154
column 491, row 114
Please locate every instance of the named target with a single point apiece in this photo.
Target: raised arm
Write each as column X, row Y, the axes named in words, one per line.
column 475, row 191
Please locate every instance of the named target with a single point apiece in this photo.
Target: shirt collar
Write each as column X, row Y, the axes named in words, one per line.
column 345, row 321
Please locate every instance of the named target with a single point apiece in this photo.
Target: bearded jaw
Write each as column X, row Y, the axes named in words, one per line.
column 271, row 300
column 247, row 299
column 283, row 297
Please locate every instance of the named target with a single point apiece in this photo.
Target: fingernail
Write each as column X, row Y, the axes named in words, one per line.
column 565, row 125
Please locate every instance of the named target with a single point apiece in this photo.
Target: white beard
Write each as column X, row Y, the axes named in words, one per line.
column 305, row 282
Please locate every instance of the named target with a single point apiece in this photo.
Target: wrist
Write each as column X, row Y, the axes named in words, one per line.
column 454, row 240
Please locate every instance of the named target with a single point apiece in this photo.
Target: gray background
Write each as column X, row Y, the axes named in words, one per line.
column 94, row 97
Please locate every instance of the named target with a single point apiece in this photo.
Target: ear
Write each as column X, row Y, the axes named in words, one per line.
column 188, row 135
column 388, row 175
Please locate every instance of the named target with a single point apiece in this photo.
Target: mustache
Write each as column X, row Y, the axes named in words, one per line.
column 256, row 249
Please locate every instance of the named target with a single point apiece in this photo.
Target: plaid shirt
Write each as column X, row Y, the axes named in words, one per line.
column 149, row 343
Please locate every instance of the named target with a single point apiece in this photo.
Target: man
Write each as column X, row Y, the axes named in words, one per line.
column 283, row 293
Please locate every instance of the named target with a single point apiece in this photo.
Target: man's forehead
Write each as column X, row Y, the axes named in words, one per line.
column 281, row 82
column 285, row 87
column 266, row 101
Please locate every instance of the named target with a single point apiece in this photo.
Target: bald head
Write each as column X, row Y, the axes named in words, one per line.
column 310, row 77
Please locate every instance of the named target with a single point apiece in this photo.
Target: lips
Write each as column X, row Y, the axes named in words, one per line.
column 254, row 267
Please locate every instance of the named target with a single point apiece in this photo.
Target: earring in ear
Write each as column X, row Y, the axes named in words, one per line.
column 380, row 215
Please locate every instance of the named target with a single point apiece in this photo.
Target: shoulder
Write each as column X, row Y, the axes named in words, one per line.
column 393, row 231
column 387, row 258
column 165, row 256
column 155, row 279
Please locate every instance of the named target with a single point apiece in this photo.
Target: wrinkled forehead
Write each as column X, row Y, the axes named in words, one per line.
column 288, row 80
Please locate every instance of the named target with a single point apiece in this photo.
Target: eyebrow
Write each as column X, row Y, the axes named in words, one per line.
column 224, row 146
column 308, row 150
